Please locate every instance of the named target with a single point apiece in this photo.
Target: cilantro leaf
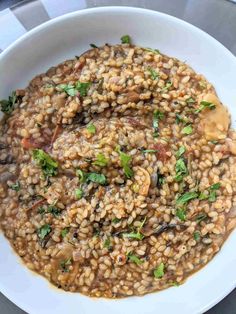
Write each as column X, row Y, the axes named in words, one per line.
column 205, row 104
column 69, row 89
column 101, row 160
column 185, row 198
column 149, row 151
column 44, row 231
column 125, row 39
column 7, row 106
column 107, row 243
column 72, row 90
column 47, row 164
column 215, row 186
column 187, row 130
column 159, row 271
column 91, row 128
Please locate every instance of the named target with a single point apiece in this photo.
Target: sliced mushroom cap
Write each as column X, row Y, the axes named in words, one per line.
column 214, row 123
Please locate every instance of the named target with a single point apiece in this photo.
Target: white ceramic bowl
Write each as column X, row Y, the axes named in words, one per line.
column 64, row 38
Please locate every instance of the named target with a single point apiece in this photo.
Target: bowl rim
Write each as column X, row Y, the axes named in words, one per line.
column 124, row 9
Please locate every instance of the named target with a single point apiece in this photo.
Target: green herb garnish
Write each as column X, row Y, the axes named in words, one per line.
column 159, row 271
column 185, row 198
column 157, row 116
column 187, row 130
column 201, row 217
column 179, row 119
column 93, row 46
column 64, row 232
column 48, row 165
column 125, row 161
column 181, row 214
column 91, row 177
column 15, row 186
column 133, row 235
column 51, row 209
column 167, row 86
column 116, row 220
column 7, row 106
column 190, row 100
column 101, row 160
column 205, row 104
column 180, row 169
column 196, row 235
column 83, row 88
column 125, row 39
column 180, row 151
column 153, row 73
column 203, row 196
column 79, row 193
column 64, row 265
column 144, row 151
column 107, row 243
column 44, row 231
column 212, row 194
column 214, row 142
column 72, row 90
column 91, row 128
column 155, row 51
column 134, row 258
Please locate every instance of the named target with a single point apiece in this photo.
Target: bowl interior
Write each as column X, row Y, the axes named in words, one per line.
column 70, row 35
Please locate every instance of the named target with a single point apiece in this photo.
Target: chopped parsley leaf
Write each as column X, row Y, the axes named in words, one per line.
column 196, row 235
column 116, row 220
column 64, row 232
column 181, row 214
column 180, row 169
column 187, row 130
column 205, row 104
column 101, row 160
column 79, row 193
column 91, row 128
column 185, row 198
column 180, row 151
column 107, row 243
column 144, row 151
column 134, row 258
column 7, row 106
column 93, row 46
column 190, row 100
column 125, row 163
column 167, row 86
column 43, row 231
column 155, row 51
column 159, row 271
column 153, row 73
column 91, row 177
column 15, row 186
column 133, row 235
column 83, row 88
column 64, row 265
column 125, row 39
column 45, row 161
column 201, row 217
column 157, row 116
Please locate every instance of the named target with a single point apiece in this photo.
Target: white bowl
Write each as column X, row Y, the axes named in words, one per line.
column 64, row 38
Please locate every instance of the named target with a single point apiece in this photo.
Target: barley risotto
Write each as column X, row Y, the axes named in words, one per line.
column 117, row 172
